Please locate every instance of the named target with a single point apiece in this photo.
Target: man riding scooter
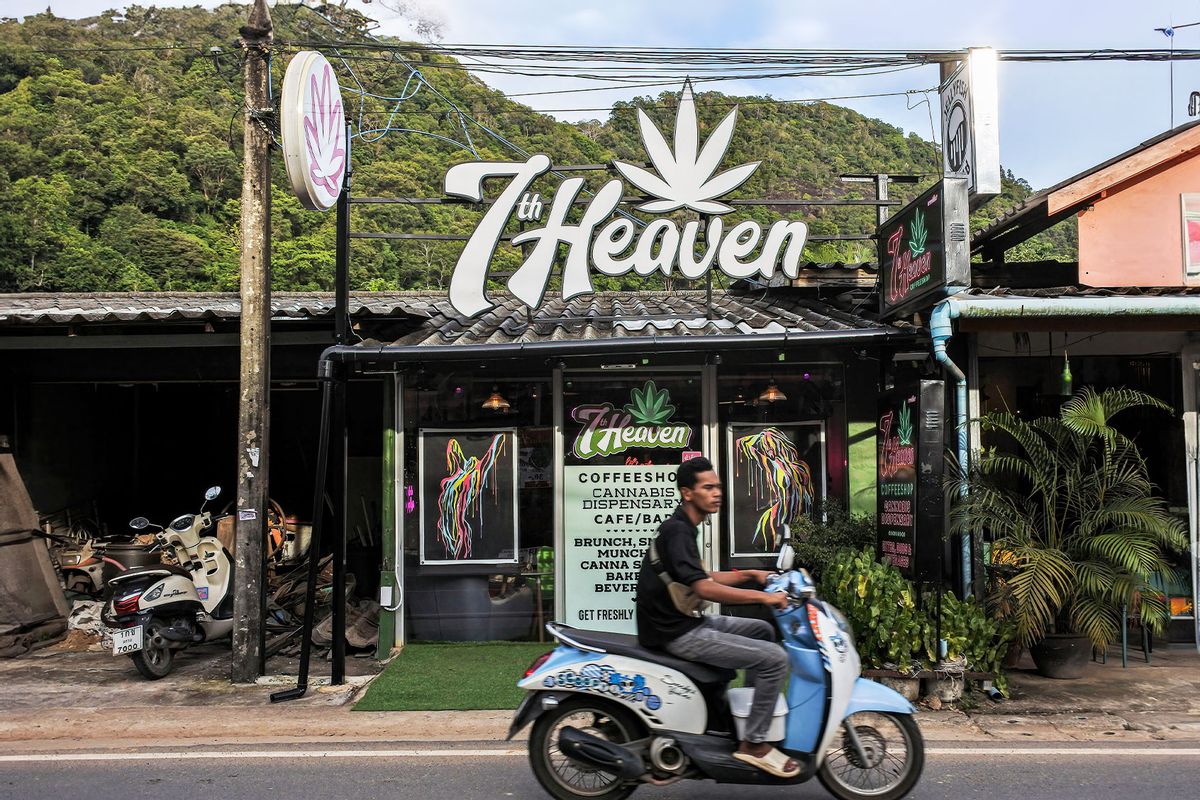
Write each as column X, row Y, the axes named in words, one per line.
column 669, row 616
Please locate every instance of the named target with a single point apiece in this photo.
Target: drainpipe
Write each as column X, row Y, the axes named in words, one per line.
column 941, row 328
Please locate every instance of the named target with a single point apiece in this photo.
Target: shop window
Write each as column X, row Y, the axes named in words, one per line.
column 478, row 472
column 783, row 451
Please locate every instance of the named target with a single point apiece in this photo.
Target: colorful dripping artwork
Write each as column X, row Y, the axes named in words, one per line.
column 467, row 496
column 773, row 483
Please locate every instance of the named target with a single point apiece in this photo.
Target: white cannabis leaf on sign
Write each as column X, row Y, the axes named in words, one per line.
column 685, row 178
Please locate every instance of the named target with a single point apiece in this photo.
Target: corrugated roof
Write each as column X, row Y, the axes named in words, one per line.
column 118, row 307
column 426, row 319
column 1086, row 291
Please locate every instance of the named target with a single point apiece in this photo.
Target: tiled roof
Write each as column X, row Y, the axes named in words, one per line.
column 613, row 315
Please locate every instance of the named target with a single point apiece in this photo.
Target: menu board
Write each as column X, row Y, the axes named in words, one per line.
column 611, row 514
column 909, row 510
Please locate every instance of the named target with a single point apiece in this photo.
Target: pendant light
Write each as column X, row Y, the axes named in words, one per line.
column 771, row 393
column 496, row 401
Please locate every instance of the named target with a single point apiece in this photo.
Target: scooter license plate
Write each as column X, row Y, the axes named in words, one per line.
column 127, row 640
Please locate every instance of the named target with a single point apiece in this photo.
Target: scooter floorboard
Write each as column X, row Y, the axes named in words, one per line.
column 714, row 757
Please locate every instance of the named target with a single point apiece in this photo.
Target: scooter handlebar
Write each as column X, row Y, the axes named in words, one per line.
column 797, row 584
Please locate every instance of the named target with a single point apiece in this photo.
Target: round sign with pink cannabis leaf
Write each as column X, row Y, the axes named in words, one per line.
column 313, row 125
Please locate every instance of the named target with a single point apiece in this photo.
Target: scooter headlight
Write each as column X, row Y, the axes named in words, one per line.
column 70, row 559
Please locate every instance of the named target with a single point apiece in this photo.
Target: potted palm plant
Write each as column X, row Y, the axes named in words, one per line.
column 1077, row 531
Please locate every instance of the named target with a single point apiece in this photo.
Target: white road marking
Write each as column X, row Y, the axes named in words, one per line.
column 1063, row 751
column 215, row 755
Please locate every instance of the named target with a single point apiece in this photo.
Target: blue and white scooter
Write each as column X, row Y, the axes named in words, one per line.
column 609, row 716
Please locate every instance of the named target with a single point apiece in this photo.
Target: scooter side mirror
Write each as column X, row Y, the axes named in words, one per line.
column 138, row 523
column 213, row 493
column 786, row 558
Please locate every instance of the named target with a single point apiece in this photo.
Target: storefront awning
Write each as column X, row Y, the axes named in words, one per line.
column 1070, row 308
column 622, row 321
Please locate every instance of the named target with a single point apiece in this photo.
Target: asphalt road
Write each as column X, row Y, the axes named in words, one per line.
column 466, row 772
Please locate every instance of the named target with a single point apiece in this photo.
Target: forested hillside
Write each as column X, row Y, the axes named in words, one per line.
column 120, row 155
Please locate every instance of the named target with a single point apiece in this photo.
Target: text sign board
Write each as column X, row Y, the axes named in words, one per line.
column 611, row 515
column 970, row 138
column 923, row 249
column 910, row 512
column 606, row 239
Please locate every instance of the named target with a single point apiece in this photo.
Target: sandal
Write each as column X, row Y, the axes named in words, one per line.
column 773, row 762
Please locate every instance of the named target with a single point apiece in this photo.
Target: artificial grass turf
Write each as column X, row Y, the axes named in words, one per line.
column 459, row 676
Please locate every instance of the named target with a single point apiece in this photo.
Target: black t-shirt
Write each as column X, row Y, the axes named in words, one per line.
column 658, row 621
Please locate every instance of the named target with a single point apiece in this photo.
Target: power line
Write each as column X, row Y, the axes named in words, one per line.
column 631, row 106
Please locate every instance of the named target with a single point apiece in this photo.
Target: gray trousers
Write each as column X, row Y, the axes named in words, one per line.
column 740, row 643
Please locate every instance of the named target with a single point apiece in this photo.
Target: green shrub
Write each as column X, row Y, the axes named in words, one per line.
column 831, row 529
column 881, row 606
column 893, row 632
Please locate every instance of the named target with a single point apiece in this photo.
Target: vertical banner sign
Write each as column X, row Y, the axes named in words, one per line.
column 923, row 249
column 611, row 514
column 910, row 510
column 970, row 138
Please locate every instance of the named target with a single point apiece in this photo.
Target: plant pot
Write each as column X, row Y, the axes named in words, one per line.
column 1062, row 655
column 947, row 682
column 910, row 688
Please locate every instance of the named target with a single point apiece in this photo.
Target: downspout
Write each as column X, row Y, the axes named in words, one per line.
column 941, row 328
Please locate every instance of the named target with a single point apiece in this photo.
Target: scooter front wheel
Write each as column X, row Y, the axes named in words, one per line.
column 156, row 658
column 565, row 779
column 886, row 764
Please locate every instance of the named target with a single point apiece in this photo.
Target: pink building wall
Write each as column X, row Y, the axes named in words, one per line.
column 1134, row 236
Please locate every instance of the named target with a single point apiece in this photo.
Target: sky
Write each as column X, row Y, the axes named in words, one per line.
column 1056, row 120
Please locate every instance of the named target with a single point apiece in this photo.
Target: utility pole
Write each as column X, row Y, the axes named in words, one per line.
column 254, row 393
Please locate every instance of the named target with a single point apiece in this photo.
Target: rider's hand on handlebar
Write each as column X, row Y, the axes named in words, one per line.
column 776, row 600
column 759, row 576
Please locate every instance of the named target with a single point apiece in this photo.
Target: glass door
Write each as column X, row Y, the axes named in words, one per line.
column 624, row 436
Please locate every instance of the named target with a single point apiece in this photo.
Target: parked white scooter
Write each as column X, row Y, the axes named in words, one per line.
column 152, row 612
column 609, row 716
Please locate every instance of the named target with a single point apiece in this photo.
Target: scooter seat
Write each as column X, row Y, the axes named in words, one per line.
column 150, row 571
column 623, row 644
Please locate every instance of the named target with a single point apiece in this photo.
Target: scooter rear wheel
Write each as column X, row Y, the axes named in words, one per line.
column 563, row 778
column 894, row 754
column 156, row 658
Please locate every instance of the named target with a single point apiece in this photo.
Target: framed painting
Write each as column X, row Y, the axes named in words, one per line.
column 776, row 474
column 468, row 496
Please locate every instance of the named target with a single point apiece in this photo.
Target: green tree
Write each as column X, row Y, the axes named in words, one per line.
column 1077, row 531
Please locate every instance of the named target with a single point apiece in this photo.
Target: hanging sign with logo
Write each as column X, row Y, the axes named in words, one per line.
column 910, row 501
column 313, row 128
column 644, row 422
column 923, row 249
column 970, row 138
column 684, row 177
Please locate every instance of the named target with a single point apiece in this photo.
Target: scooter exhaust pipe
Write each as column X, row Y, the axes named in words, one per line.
column 592, row 751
